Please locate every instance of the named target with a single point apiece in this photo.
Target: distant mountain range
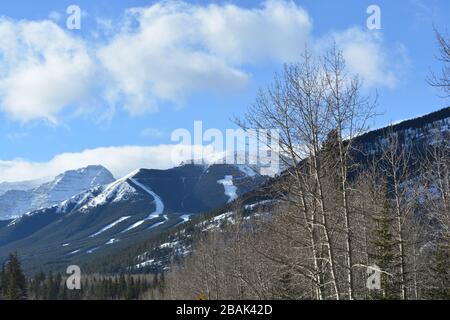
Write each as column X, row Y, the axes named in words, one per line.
column 122, row 211
column 85, row 215
column 22, row 185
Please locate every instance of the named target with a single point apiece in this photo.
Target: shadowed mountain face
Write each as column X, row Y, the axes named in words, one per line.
column 114, row 215
column 195, row 188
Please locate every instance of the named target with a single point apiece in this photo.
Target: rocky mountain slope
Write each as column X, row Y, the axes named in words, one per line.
column 17, row 200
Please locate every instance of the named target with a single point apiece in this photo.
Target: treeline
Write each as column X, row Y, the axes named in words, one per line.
column 97, row 287
column 15, row 286
column 342, row 229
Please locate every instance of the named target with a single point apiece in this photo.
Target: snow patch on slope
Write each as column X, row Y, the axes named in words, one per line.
column 110, row 226
column 91, row 250
column 230, row 188
column 111, row 241
column 74, row 252
column 186, row 217
column 145, row 263
column 159, row 223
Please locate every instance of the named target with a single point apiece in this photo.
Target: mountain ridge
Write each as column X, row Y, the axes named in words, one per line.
column 144, row 202
column 14, row 203
column 52, row 237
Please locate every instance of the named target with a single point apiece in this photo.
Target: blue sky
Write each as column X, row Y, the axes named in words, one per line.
column 127, row 79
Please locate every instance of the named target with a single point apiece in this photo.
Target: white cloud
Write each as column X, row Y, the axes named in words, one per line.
column 119, row 160
column 175, row 48
column 162, row 53
column 277, row 31
column 366, row 55
column 43, row 70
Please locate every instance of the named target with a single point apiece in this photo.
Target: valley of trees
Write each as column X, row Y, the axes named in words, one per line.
column 15, row 286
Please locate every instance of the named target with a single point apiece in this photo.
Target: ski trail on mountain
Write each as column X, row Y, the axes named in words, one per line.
column 158, row 202
column 166, row 218
column 109, row 226
column 159, row 206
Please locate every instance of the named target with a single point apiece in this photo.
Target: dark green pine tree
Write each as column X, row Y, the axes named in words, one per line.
column 51, row 291
column 122, row 287
column 440, row 274
column 15, row 284
column 109, row 289
column 115, row 292
column 130, row 293
column 155, row 282
column 37, row 286
column 2, row 283
column 138, row 289
column 162, row 284
column 63, row 294
column 383, row 254
column 58, row 285
column 87, row 289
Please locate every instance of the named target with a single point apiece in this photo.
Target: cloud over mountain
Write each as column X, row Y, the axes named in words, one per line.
column 162, row 53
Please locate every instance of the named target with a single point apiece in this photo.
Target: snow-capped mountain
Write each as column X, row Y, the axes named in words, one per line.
column 140, row 210
column 16, row 202
column 138, row 205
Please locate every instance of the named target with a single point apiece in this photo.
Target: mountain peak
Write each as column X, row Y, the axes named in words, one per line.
column 62, row 187
column 88, row 170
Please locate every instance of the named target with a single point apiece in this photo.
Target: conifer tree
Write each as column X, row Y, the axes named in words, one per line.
column 440, row 274
column 130, row 293
column 14, row 281
column 384, row 254
column 2, row 282
column 51, row 287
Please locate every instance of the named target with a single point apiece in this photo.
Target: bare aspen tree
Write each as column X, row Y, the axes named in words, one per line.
column 442, row 80
column 396, row 166
column 311, row 100
column 295, row 106
column 349, row 115
column 284, row 242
